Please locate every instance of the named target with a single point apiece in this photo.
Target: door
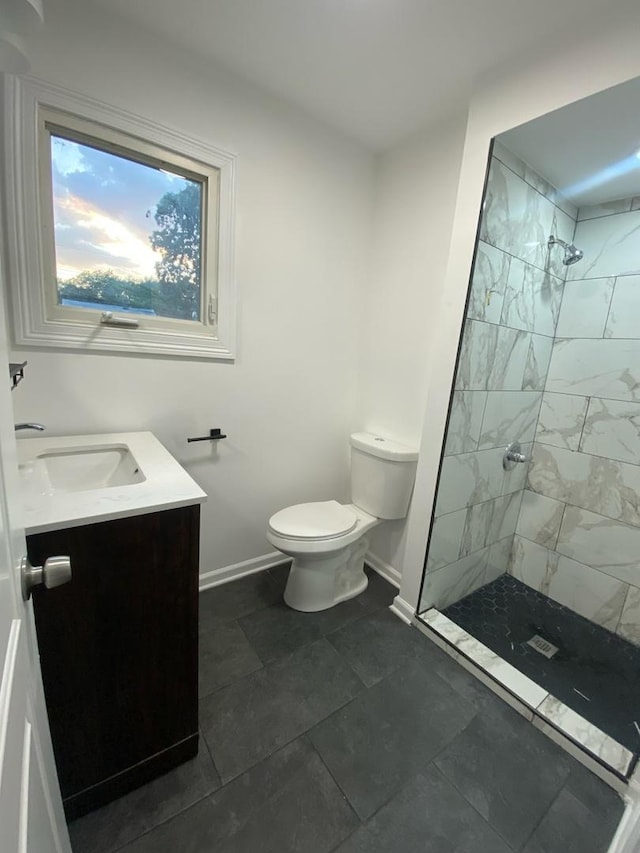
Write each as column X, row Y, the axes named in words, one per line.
column 31, row 815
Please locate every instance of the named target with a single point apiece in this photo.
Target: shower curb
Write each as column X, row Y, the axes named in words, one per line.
column 537, row 714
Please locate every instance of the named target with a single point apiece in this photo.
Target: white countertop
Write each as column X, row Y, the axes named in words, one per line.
column 166, row 485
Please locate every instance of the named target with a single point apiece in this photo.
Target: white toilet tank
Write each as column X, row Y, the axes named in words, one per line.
column 382, row 475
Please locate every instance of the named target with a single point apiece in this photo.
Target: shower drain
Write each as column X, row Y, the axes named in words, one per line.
column 543, row 646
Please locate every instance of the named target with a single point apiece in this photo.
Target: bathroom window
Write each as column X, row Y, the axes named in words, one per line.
column 122, row 238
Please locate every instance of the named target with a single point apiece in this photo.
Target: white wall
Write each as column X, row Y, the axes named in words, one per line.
column 413, row 211
column 303, row 218
column 588, row 64
column 303, row 235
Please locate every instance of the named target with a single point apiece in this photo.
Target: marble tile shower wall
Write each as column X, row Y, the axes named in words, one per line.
column 514, row 304
column 578, row 534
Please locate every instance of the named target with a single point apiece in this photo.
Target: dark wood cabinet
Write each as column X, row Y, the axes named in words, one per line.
column 119, row 652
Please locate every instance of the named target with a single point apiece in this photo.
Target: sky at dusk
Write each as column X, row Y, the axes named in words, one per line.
column 104, row 210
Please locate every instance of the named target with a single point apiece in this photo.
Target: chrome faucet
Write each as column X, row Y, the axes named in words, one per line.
column 39, row 427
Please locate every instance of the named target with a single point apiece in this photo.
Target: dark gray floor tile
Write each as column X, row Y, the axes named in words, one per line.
column 570, row 827
column 251, row 718
column 225, row 655
column 279, row 630
column 280, row 575
column 467, row 685
column 428, row 815
column 192, row 831
column 595, row 794
column 385, row 736
column 287, row 803
column 474, row 691
column 379, row 593
column 130, row 816
column 508, row 770
column 229, row 601
column 499, row 784
column 377, row 644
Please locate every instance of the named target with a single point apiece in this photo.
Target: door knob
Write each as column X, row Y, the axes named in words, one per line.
column 55, row 572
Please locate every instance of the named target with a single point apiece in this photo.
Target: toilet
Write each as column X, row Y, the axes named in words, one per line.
column 328, row 540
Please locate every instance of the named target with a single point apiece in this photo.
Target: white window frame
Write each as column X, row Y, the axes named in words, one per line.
column 38, row 321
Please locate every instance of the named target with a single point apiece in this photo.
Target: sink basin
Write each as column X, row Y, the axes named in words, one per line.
column 79, row 469
column 70, row 480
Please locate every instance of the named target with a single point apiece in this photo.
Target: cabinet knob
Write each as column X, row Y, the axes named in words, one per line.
column 55, row 572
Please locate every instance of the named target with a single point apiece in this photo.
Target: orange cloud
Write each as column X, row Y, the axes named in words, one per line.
column 107, row 241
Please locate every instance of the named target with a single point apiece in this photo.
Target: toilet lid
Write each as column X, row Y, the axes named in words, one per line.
column 320, row 520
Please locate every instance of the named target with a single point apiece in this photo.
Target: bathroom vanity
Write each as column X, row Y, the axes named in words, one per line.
column 119, row 643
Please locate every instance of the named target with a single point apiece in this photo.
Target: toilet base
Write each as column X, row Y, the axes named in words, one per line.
column 317, row 583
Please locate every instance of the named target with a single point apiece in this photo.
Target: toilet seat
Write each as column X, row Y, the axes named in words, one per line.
column 313, row 521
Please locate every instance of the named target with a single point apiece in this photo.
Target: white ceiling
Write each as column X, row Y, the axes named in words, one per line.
column 587, row 149
column 375, row 69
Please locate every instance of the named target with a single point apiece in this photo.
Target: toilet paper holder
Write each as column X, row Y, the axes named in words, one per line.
column 214, row 435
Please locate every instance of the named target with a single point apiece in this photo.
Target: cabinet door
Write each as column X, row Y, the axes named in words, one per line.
column 119, row 647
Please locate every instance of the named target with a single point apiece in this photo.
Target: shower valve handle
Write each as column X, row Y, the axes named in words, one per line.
column 512, row 455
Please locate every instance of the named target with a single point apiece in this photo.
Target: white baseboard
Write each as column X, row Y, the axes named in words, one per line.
column 403, row 610
column 241, row 570
column 383, row 569
column 276, row 558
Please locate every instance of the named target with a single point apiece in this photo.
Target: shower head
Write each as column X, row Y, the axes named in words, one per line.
column 571, row 254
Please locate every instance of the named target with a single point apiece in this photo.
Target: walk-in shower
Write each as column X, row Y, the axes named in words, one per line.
column 532, row 571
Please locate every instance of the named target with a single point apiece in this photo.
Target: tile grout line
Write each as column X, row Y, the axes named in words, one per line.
column 495, row 447
column 555, row 544
column 413, row 776
column 210, row 754
column 478, row 550
column 220, row 687
column 607, row 215
column 223, row 785
column 579, row 337
column 605, row 276
column 618, row 521
column 160, row 823
column 484, row 414
column 624, row 604
column 365, row 821
column 512, row 328
column 525, row 181
column 523, row 261
column 609, row 306
column 570, row 393
column 584, row 425
column 317, row 753
column 264, row 664
column 461, row 793
column 546, row 812
column 582, row 452
column 305, row 731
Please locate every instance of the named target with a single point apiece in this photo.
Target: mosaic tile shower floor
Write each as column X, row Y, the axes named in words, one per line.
column 594, row 672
